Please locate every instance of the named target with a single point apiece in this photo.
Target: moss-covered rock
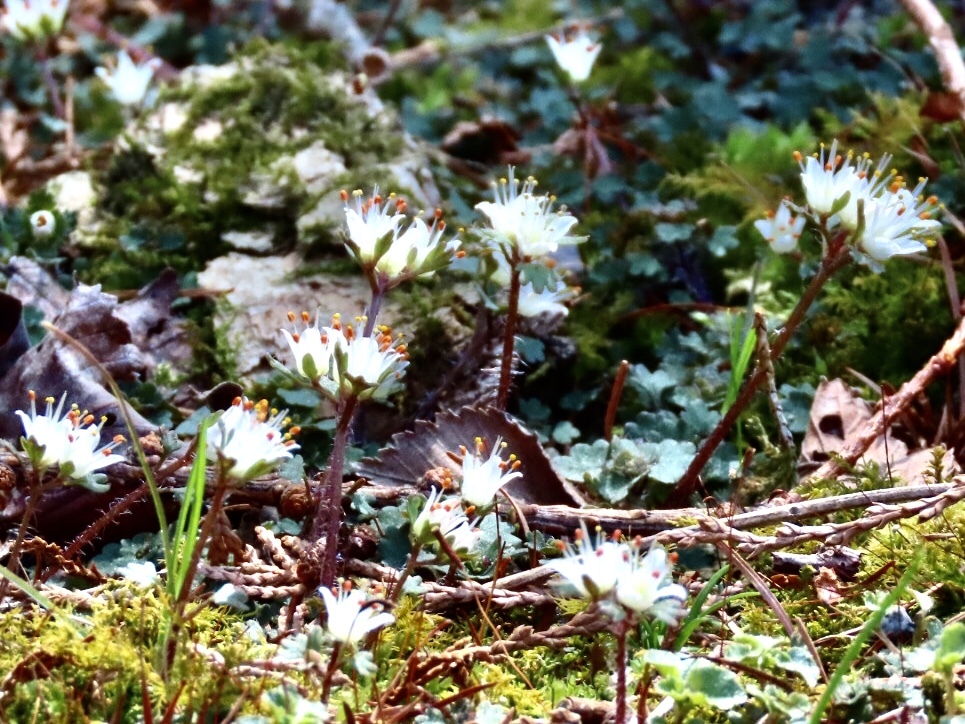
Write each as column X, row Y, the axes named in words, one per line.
column 249, row 155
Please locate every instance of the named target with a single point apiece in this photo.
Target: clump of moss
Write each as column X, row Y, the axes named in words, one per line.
column 256, row 149
column 62, row 673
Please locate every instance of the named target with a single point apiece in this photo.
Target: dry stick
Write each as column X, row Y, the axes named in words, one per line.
column 942, row 41
column 835, row 261
column 939, row 364
column 714, row 530
column 955, row 303
column 647, row 522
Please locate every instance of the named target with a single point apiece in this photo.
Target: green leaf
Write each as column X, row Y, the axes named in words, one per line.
column 670, row 233
column 715, row 685
column 951, row 647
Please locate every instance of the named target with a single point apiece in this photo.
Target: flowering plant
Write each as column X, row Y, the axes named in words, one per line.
column 128, row 81
column 28, row 20
column 574, row 54
column 68, row 440
column 248, row 440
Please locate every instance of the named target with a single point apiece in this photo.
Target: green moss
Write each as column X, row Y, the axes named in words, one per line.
column 277, row 102
column 58, row 676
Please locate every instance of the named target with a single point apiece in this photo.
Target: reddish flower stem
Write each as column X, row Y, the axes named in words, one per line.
column 837, row 258
column 509, row 336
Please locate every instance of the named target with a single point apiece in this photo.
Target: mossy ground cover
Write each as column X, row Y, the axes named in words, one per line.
column 682, row 137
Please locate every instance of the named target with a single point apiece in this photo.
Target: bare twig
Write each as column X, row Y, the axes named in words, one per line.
column 939, row 364
column 942, row 42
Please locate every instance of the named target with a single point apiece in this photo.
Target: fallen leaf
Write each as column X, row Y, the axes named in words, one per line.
column 413, row 454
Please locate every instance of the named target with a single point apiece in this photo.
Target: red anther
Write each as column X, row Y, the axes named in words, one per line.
column 438, row 213
column 296, row 336
column 798, row 156
column 305, row 317
column 237, row 401
column 291, row 315
column 344, row 195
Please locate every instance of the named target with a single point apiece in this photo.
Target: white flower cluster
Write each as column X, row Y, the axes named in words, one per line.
column 638, row 580
column 68, row 440
column 861, row 197
column 447, row 517
column 33, row 20
column 248, row 439
column 481, row 478
column 525, row 222
column 128, row 81
column 378, row 242
column 343, row 363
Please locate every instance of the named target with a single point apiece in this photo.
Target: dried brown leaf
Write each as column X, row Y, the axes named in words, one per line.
column 411, row 455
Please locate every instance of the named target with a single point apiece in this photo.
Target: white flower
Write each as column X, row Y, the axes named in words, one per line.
column 128, row 81
column 419, row 250
column 43, row 223
column 369, row 367
column 312, row 349
column 781, row 229
column 482, row 479
column 896, row 222
column 248, row 439
column 352, row 616
column 521, row 219
column 548, row 301
column 373, row 224
column 69, row 440
column 141, row 573
column 828, row 177
column 646, row 587
column 447, row 517
column 33, row 19
column 593, row 568
column 575, row 55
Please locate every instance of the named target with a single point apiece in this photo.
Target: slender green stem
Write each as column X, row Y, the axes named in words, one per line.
column 207, row 529
column 854, row 649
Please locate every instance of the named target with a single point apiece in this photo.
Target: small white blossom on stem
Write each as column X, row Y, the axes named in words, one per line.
column 592, row 567
column 419, row 250
column 28, row 20
column 445, row 516
column 524, row 221
column 42, row 223
column 575, row 54
column 897, row 223
column 248, row 439
column 373, row 224
column 483, row 477
column 352, row 616
column 128, row 81
column 313, row 349
column 368, row 367
column 827, row 177
column 69, row 440
column 646, row 586
column 781, row 229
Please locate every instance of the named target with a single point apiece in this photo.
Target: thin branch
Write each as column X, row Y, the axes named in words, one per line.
column 939, row 364
column 943, row 44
